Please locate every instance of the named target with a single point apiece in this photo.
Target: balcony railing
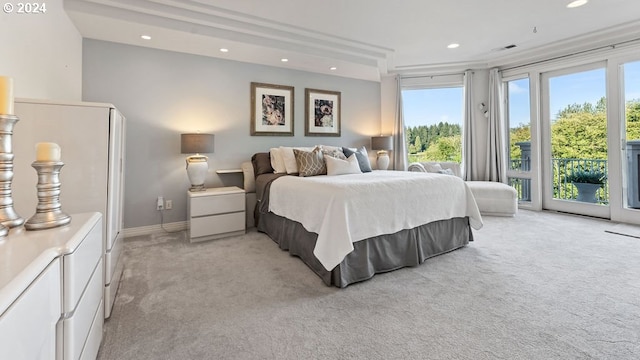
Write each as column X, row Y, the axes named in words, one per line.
column 567, row 191
column 562, row 189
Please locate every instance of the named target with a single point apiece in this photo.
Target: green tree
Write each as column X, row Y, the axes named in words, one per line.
column 418, row 144
column 518, row 134
column 445, row 149
column 580, row 136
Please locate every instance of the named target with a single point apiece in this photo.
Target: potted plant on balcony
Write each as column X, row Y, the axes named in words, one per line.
column 587, row 181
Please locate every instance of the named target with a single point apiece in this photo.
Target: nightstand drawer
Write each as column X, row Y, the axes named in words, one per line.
column 219, row 224
column 219, row 204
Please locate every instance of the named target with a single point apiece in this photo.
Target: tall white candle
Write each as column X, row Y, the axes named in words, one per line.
column 47, row 151
column 6, row 95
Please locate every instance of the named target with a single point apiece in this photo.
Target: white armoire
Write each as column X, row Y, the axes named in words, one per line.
column 91, row 138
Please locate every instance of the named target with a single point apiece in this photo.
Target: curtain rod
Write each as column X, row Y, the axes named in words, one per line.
column 428, row 76
column 604, row 47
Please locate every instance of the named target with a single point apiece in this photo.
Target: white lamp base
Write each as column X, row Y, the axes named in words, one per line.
column 197, row 168
column 383, row 160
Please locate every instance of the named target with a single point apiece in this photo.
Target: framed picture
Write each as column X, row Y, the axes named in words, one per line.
column 271, row 109
column 322, row 113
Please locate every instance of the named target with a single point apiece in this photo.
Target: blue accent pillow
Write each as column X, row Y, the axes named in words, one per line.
column 361, row 155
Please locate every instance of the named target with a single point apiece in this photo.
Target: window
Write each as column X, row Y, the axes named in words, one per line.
column 433, row 119
column 631, row 71
column 519, row 125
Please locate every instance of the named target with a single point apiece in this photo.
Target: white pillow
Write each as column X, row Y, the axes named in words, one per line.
column 289, row 159
column 277, row 163
column 337, row 166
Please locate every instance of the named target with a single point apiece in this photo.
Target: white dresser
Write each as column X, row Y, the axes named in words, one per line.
column 216, row 213
column 92, row 140
column 51, row 291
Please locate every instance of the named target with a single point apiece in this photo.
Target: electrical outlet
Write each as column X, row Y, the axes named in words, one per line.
column 160, row 203
column 168, row 204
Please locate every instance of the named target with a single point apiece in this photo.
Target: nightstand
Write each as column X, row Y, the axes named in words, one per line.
column 216, row 213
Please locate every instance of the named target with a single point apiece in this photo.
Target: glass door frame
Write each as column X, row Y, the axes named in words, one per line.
column 548, row 202
column 617, row 140
column 533, row 175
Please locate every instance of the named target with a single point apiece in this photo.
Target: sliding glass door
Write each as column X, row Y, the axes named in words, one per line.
column 575, row 141
column 625, row 180
column 579, row 150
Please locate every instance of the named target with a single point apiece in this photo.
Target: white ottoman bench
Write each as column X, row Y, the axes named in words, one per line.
column 494, row 198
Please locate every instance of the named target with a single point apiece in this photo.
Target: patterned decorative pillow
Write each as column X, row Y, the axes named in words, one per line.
column 361, row 155
column 334, row 153
column 310, row 163
column 289, row 159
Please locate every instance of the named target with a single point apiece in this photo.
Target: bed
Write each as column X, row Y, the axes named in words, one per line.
column 348, row 228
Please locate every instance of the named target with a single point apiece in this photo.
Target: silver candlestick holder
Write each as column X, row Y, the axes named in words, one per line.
column 48, row 213
column 8, row 216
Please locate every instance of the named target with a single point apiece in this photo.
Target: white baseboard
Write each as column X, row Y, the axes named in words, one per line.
column 153, row 229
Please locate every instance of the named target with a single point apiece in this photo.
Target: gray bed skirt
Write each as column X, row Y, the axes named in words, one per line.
column 370, row 256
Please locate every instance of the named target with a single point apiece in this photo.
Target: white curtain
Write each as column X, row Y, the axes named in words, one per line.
column 400, row 159
column 496, row 165
column 469, row 159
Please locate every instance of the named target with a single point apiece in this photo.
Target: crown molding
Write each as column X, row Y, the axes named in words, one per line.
column 214, row 22
column 609, row 37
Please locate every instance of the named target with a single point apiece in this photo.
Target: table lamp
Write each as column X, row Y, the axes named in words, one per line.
column 382, row 143
column 197, row 165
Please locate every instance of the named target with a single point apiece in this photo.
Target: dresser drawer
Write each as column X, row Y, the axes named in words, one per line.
column 111, row 258
column 218, row 224
column 218, row 204
column 28, row 327
column 92, row 345
column 78, row 267
column 77, row 326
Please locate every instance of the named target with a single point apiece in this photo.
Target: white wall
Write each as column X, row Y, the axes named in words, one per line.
column 163, row 94
column 42, row 53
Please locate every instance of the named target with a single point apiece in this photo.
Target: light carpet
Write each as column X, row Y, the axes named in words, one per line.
column 537, row 286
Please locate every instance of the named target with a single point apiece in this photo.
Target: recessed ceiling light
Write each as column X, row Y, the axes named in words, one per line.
column 284, row 60
column 145, row 37
column 333, row 68
column 575, row 4
column 224, row 50
column 453, row 46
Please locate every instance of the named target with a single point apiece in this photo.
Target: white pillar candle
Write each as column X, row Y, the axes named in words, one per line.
column 6, row 95
column 47, row 151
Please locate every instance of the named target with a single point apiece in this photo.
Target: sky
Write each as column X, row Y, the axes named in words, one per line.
column 431, row 106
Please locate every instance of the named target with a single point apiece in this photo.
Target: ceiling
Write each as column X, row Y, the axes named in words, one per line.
column 362, row 39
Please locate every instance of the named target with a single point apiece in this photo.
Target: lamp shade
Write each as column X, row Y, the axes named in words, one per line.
column 382, row 142
column 196, row 143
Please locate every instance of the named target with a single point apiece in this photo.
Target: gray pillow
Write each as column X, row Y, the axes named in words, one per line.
column 261, row 163
column 361, row 155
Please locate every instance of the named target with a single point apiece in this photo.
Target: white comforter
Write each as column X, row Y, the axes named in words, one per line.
column 348, row 208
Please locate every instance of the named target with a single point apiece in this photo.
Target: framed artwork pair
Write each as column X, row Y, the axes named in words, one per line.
column 272, row 111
